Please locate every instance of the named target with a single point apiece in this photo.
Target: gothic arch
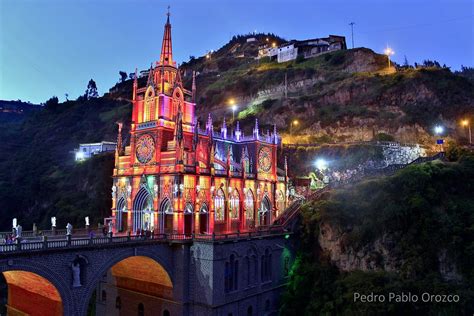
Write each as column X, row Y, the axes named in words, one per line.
column 112, row 261
column 56, row 278
column 149, row 107
column 142, row 205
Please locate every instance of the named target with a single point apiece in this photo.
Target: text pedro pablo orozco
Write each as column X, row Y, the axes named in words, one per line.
column 403, row 297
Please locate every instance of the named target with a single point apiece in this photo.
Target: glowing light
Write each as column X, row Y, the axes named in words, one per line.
column 321, row 164
column 232, row 101
column 274, row 44
column 295, row 122
column 438, row 129
column 287, row 236
column 465, row 122
column 234, row 107
column 388, row 51
column 80, row 155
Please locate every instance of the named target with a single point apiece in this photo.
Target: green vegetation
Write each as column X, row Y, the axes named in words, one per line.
column 38, row 175
column 424, row 210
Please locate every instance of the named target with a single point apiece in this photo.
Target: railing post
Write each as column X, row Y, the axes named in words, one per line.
column 18, row 244
column 128, row 236
column 68, row 237
column 45, row 242
column 110, row 236
column 213, row 236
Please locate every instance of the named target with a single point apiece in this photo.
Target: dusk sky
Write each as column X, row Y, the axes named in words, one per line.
column 53, row 47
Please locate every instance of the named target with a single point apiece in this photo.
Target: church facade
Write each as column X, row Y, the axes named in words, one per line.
column 178, row 178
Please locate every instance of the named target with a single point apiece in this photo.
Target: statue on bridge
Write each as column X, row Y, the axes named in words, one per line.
column 68, row 229
column 53, row 221
column 19, row 230
column 87, row 221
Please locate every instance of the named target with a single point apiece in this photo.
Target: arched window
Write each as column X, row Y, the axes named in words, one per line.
column 120, row 209
column 280, row 201
column 166, row 313
column 234, row 204
column 266, row 266
column 219, row 205
column 231, row 274
column 118, row 303
column 141, row 310
column 104, row 296
column 264, row 212
column 142, row 210
column 249, row 205
column 149, row 110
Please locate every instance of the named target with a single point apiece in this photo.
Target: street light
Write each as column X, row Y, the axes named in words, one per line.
column 234, row 108
column 467, row 124
column 438, row 130
column 295, row 123
column 321, row 164
column 389, row 52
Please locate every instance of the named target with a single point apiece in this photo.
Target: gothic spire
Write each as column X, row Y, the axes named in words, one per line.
column 166, row 57
column 194, row 87
column 150, row 76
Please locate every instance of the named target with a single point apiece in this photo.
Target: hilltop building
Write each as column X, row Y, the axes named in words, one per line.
column 85, row 151
column 176, row 177
column 306, row 48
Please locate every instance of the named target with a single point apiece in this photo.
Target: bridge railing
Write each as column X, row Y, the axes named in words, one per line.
column 26, row 245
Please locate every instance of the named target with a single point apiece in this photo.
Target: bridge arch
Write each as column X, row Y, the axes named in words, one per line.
column 130, row 257
column 26, row 268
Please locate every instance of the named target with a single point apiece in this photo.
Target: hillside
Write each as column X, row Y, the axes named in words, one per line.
column 338, row 96
column 411, row 233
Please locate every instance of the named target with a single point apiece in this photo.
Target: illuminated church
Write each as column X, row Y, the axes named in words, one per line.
column 178, row 177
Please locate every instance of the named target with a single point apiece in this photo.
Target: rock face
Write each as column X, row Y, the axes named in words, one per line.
column 379, row 255
column 372, row 256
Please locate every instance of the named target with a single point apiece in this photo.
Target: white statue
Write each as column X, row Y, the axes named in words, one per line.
column 87, row 220
column 53, row 221
column 76, row 274
column 18, row 231
column 14, row 223
column 68, row 229
column 110, row 227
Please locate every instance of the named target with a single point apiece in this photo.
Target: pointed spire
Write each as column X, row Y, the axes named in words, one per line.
column 238, row 132
column 224, row 129
column 135, row 86
column 194, row 88
column 209, row 122
column 166, row 57
column 275, row 134
column 150, row 76
column 118, row 148
column 196, row 135
column 255, row 130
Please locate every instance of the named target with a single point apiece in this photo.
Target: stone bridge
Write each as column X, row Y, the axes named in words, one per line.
column 196, row 267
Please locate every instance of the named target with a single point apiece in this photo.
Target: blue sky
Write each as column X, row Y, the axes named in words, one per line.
column 53, row 47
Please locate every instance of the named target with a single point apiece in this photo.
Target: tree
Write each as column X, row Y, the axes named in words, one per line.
column 123, row 76
column 131, row 75
column 52, row 103
column 91, row 91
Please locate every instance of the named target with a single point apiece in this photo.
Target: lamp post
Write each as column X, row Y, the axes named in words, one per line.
column 467, row 124
column 295, row 123
column 438, row 130
column 233, row 107
column 388, row 52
